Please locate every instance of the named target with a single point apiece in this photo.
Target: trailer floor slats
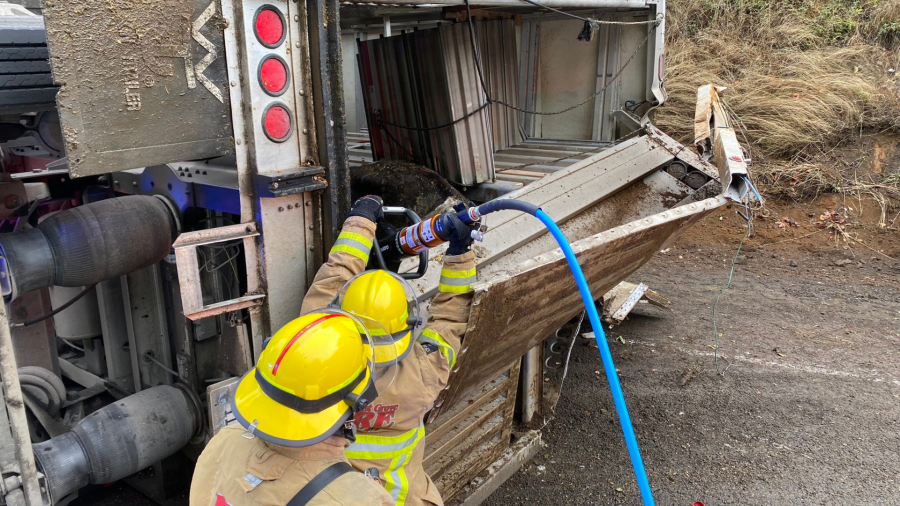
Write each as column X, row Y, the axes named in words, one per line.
column 523, row 163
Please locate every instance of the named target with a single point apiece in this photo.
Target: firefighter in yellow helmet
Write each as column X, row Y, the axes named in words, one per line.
column 295, row 411
column 391, row 429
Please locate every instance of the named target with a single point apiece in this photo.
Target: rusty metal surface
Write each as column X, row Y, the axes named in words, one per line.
column 468, row 438
column 714, row 137
column 130, row 66
column 213, row 235
column 246, row 170
column 499, row 331
column 14, row 405
column 323, row 33
column 257, row 157
column 478, row 490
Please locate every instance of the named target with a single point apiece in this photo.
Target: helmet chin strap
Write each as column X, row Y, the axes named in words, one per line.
column 348, row 430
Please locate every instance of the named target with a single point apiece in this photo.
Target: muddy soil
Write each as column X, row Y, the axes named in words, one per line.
column 805, row 406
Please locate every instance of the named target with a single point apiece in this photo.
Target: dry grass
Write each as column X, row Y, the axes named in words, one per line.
column 802, row 76
column 786, row 104
column 883, row 23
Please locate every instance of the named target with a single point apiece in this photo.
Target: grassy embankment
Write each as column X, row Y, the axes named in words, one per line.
column 812, row 82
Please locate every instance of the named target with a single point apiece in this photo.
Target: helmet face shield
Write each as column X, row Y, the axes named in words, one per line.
column 380, row 344
column 383, row 297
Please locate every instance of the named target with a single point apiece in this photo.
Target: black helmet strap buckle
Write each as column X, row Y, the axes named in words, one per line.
column 360, row 402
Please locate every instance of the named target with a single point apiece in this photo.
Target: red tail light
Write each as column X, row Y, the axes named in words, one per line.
column 273, row 75
column 269, row 27
column 277, row 123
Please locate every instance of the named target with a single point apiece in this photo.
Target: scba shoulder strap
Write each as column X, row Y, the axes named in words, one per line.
column 318, row 483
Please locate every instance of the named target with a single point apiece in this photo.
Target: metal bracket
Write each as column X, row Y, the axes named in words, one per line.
column 189, row 269
column 5, row 283
column 290, row 182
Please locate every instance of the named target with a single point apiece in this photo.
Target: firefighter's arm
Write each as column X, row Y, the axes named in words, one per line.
column 348, row 256
column 449, row 316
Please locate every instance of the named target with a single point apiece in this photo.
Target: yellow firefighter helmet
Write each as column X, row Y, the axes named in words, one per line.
column 311, row 377
column 383, row 297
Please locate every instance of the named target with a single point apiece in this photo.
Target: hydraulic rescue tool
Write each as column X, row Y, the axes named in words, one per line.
column 416, row 239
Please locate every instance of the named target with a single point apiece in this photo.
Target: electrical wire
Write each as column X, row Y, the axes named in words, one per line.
column 226, row 247
column 569, row 355
column 398, row 143
column 381, row 121
column 149, row 356
column 740, row 123
column 57, row 310
column 569, row 14
column 489, row 101
column 226, row 262
column 749, row 219
column 594, row 95
column 589, row 20
column 70, row 345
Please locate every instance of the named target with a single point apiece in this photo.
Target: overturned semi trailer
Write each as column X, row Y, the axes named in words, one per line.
column 618, row 186
column 203, row 168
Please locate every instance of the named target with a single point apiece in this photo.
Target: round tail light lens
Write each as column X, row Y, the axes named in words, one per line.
column 277, row 123
column 273, row 75
column 269, row 26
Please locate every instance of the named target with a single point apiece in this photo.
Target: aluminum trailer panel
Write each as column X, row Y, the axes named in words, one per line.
column 514, row 312
column 582, row 187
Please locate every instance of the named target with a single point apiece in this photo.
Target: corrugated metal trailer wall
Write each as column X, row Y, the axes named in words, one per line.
column 500, row 62
column 558, row 71
column 428, row 78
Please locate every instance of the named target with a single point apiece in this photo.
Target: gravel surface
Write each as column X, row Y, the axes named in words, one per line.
column 806, row 411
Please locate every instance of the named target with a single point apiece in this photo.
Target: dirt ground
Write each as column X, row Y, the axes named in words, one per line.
column 804, row 409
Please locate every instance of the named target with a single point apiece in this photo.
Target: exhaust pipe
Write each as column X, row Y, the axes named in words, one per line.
column 90, row 243
column 118, row 440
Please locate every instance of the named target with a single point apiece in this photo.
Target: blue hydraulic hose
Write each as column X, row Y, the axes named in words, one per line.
column 605, row 355
column 473, row 214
